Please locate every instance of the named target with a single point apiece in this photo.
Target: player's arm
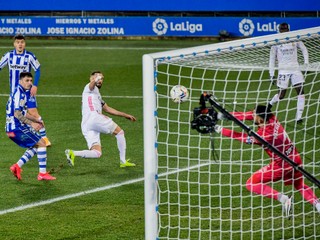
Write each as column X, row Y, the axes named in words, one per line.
column 243, row 115
column 28, row 119
column 4, row 61
column 36, row 67
column 272, row 61
column 93, row 80
column 240, row 136
column 304, row 52
column 115, row 112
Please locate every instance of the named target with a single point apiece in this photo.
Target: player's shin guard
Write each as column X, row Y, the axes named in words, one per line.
column 42, row 159
column 300, row 106
column 121, row 142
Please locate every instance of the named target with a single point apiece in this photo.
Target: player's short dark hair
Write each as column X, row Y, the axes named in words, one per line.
column 284, row 27
column 263, row 112
column 25, row 74
column 94, row 72
column 19, row 36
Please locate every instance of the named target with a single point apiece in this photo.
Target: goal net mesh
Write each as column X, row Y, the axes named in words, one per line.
column 202, row 192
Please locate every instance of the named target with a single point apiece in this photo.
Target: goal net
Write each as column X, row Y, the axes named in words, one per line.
column 195, row 184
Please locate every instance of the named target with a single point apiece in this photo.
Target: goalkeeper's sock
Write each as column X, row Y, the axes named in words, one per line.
column 88, row 153
column 28, row 154
column 121, row 142
column 300, row 106
column 275, row 99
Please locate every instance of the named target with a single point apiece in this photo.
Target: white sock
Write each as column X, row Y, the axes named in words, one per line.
column 43, row 132
column 300, row 106
column 28, row 154
column 87, row 153
column 275, row 99
column 42, row 159
column 282, row 198
column 318, row 207
column 121, row 141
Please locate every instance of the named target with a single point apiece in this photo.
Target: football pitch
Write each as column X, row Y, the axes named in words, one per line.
column 95, row 199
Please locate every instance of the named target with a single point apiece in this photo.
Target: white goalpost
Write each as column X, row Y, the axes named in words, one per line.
column 195, row 184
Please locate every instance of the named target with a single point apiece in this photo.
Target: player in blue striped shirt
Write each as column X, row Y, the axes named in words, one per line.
column 19, row 60
column 22, row 128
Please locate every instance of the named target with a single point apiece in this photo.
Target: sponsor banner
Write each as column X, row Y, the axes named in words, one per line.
column 162, row 6
column 148, row 26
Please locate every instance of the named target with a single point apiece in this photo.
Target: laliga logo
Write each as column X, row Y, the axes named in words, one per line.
column 160, row 26
column 246, row 27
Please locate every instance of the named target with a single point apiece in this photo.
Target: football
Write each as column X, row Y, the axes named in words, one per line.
column 179, row 94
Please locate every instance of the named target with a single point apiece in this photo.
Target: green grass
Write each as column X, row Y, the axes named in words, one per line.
column 118, row 212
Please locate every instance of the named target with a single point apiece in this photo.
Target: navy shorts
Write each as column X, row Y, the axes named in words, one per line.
column 24, row 136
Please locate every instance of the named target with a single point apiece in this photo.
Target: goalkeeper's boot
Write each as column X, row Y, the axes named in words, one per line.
column 127, row 163
column 286, row 206
column 299, row 121
column 70, row 157
column 45, row 176
column 48, row 143
column 16, row 171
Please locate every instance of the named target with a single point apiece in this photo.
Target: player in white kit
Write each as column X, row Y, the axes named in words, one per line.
column 94, row 123
column 289, row 70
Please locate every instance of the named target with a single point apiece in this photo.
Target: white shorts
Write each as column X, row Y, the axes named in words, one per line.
column 94, row 124
column 284, row 78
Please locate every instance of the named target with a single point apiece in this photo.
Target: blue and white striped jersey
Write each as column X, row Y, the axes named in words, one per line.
column 16, row 101
column 18, row 63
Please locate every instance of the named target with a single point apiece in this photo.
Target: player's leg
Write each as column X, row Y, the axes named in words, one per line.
column 282, row 84
column 300, row 102
column 122, row 146
column 42, row 160
column 105, row 125
column 257, row 184
column 25, row 137
column 306, row 192
column 32, row 109
column 94, row 145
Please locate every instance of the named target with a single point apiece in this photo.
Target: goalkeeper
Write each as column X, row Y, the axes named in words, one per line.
column 271, row 130
column 287, row 57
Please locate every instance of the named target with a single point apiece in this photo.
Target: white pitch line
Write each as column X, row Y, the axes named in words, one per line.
column 99, row 189
column 79, row 194
column 95, row 190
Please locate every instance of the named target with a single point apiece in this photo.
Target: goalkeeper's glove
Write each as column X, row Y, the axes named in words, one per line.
column 217, row 128
column 273, row 80
column 221, row 116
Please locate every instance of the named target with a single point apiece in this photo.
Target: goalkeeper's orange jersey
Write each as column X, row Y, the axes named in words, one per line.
column 272, row 132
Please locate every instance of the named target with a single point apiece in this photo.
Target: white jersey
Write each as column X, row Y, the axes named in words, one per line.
column 287, row 57
column 91, row 101
column 93, row 121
